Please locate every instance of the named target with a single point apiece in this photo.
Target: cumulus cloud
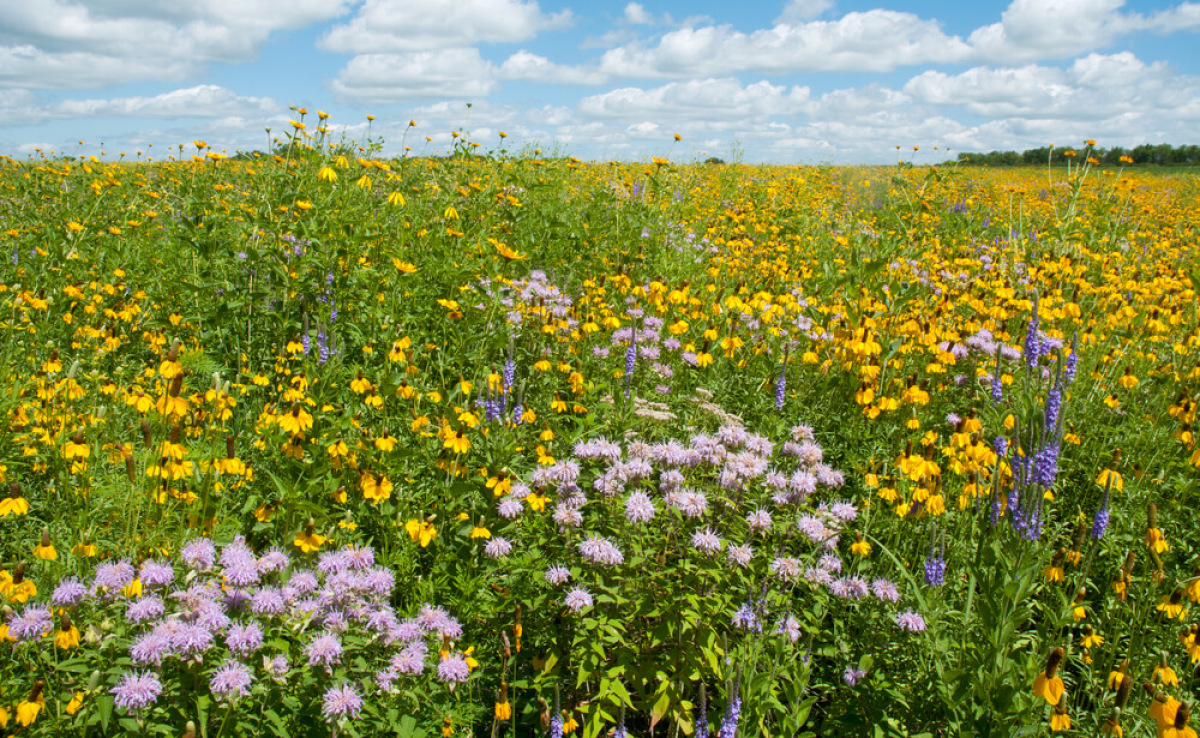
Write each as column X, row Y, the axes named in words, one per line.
column 385, row 26
column 201, row 101
column 211, row 102
column 1031, row 30
column 64, row 44
column 701, row 99
column 533, row 68
column 446, row 73
column 875, row 40
column 636, row 14
column 1093, row 88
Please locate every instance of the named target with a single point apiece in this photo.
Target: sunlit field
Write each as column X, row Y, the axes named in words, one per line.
column 326, row 443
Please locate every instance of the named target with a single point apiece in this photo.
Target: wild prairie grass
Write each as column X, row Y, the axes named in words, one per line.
column 484, row 445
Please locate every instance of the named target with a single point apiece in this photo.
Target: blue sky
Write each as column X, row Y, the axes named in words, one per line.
column 793, row 81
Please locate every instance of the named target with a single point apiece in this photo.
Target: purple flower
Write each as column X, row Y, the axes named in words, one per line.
column 600, row 550
column 244, row 639
column 852, row 676
column 147, row 608
column 69, row 593
column 935, row 570
column 790, row 628
column 885, row 590
column 33, row 623
column 706, row 541
column 558, row 575
column 267, row 601
column 1100, row 524
column 498, row 547
column 910, row 621
column 151, row 648
column 578, row 599
column 510, row 508
column 639, row 508
column 156, row 574
column 230, row 681
column 272, row 561
column 324, row 650
column 746, row 619
column 341, row 702
column 453, row 668
column 759, row 521
column 200, row 554
column 136, row 691
column 740, row 555
column 111, row 578
column 733, row 713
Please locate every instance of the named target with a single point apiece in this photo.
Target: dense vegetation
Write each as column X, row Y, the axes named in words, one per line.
column 325, row 442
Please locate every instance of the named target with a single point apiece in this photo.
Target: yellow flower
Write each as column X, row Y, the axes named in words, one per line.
column 1059, row 719
column 327, row 174
column 457, row 442
column 860, row 547
column 1165, row 673
column 480, row 532
column 75, row 704
column 45, row 549
column 1048, row 685
column 376, row 491
column 421, row 532
column 503, row 710
column 308, row 541
column 68, row 638
column 1107, row 476
column 14, row 504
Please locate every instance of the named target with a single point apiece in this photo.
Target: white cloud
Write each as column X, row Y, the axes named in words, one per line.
column 636, row 14
column 1031, row 30
column 533, row 68
column 448, row 73
column 703, row 99
column 876, row 40
column 201, row 101
column 1094, row 88
column 384, row 26
column 797, row 11
column 70, row 44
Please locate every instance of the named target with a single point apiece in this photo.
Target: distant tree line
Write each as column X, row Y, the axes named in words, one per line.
column 1156, row 154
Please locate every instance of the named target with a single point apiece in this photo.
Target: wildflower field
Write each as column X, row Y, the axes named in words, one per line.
column 322, row 442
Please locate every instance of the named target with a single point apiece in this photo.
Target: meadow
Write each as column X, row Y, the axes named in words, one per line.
column 322, row 442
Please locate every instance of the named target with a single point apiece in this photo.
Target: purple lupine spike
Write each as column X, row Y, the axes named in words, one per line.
column 1032, row 340
column 1100, row 524
column 1053, row 406
column 935, row 570
column 733, row 713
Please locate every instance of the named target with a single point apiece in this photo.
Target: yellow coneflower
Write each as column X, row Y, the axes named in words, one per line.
column 1164, row 673
column 1048, row 685
column 45, row 550
column 308, row 540
column 28, row 710
column 1059, row 719
column 1172, row 604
